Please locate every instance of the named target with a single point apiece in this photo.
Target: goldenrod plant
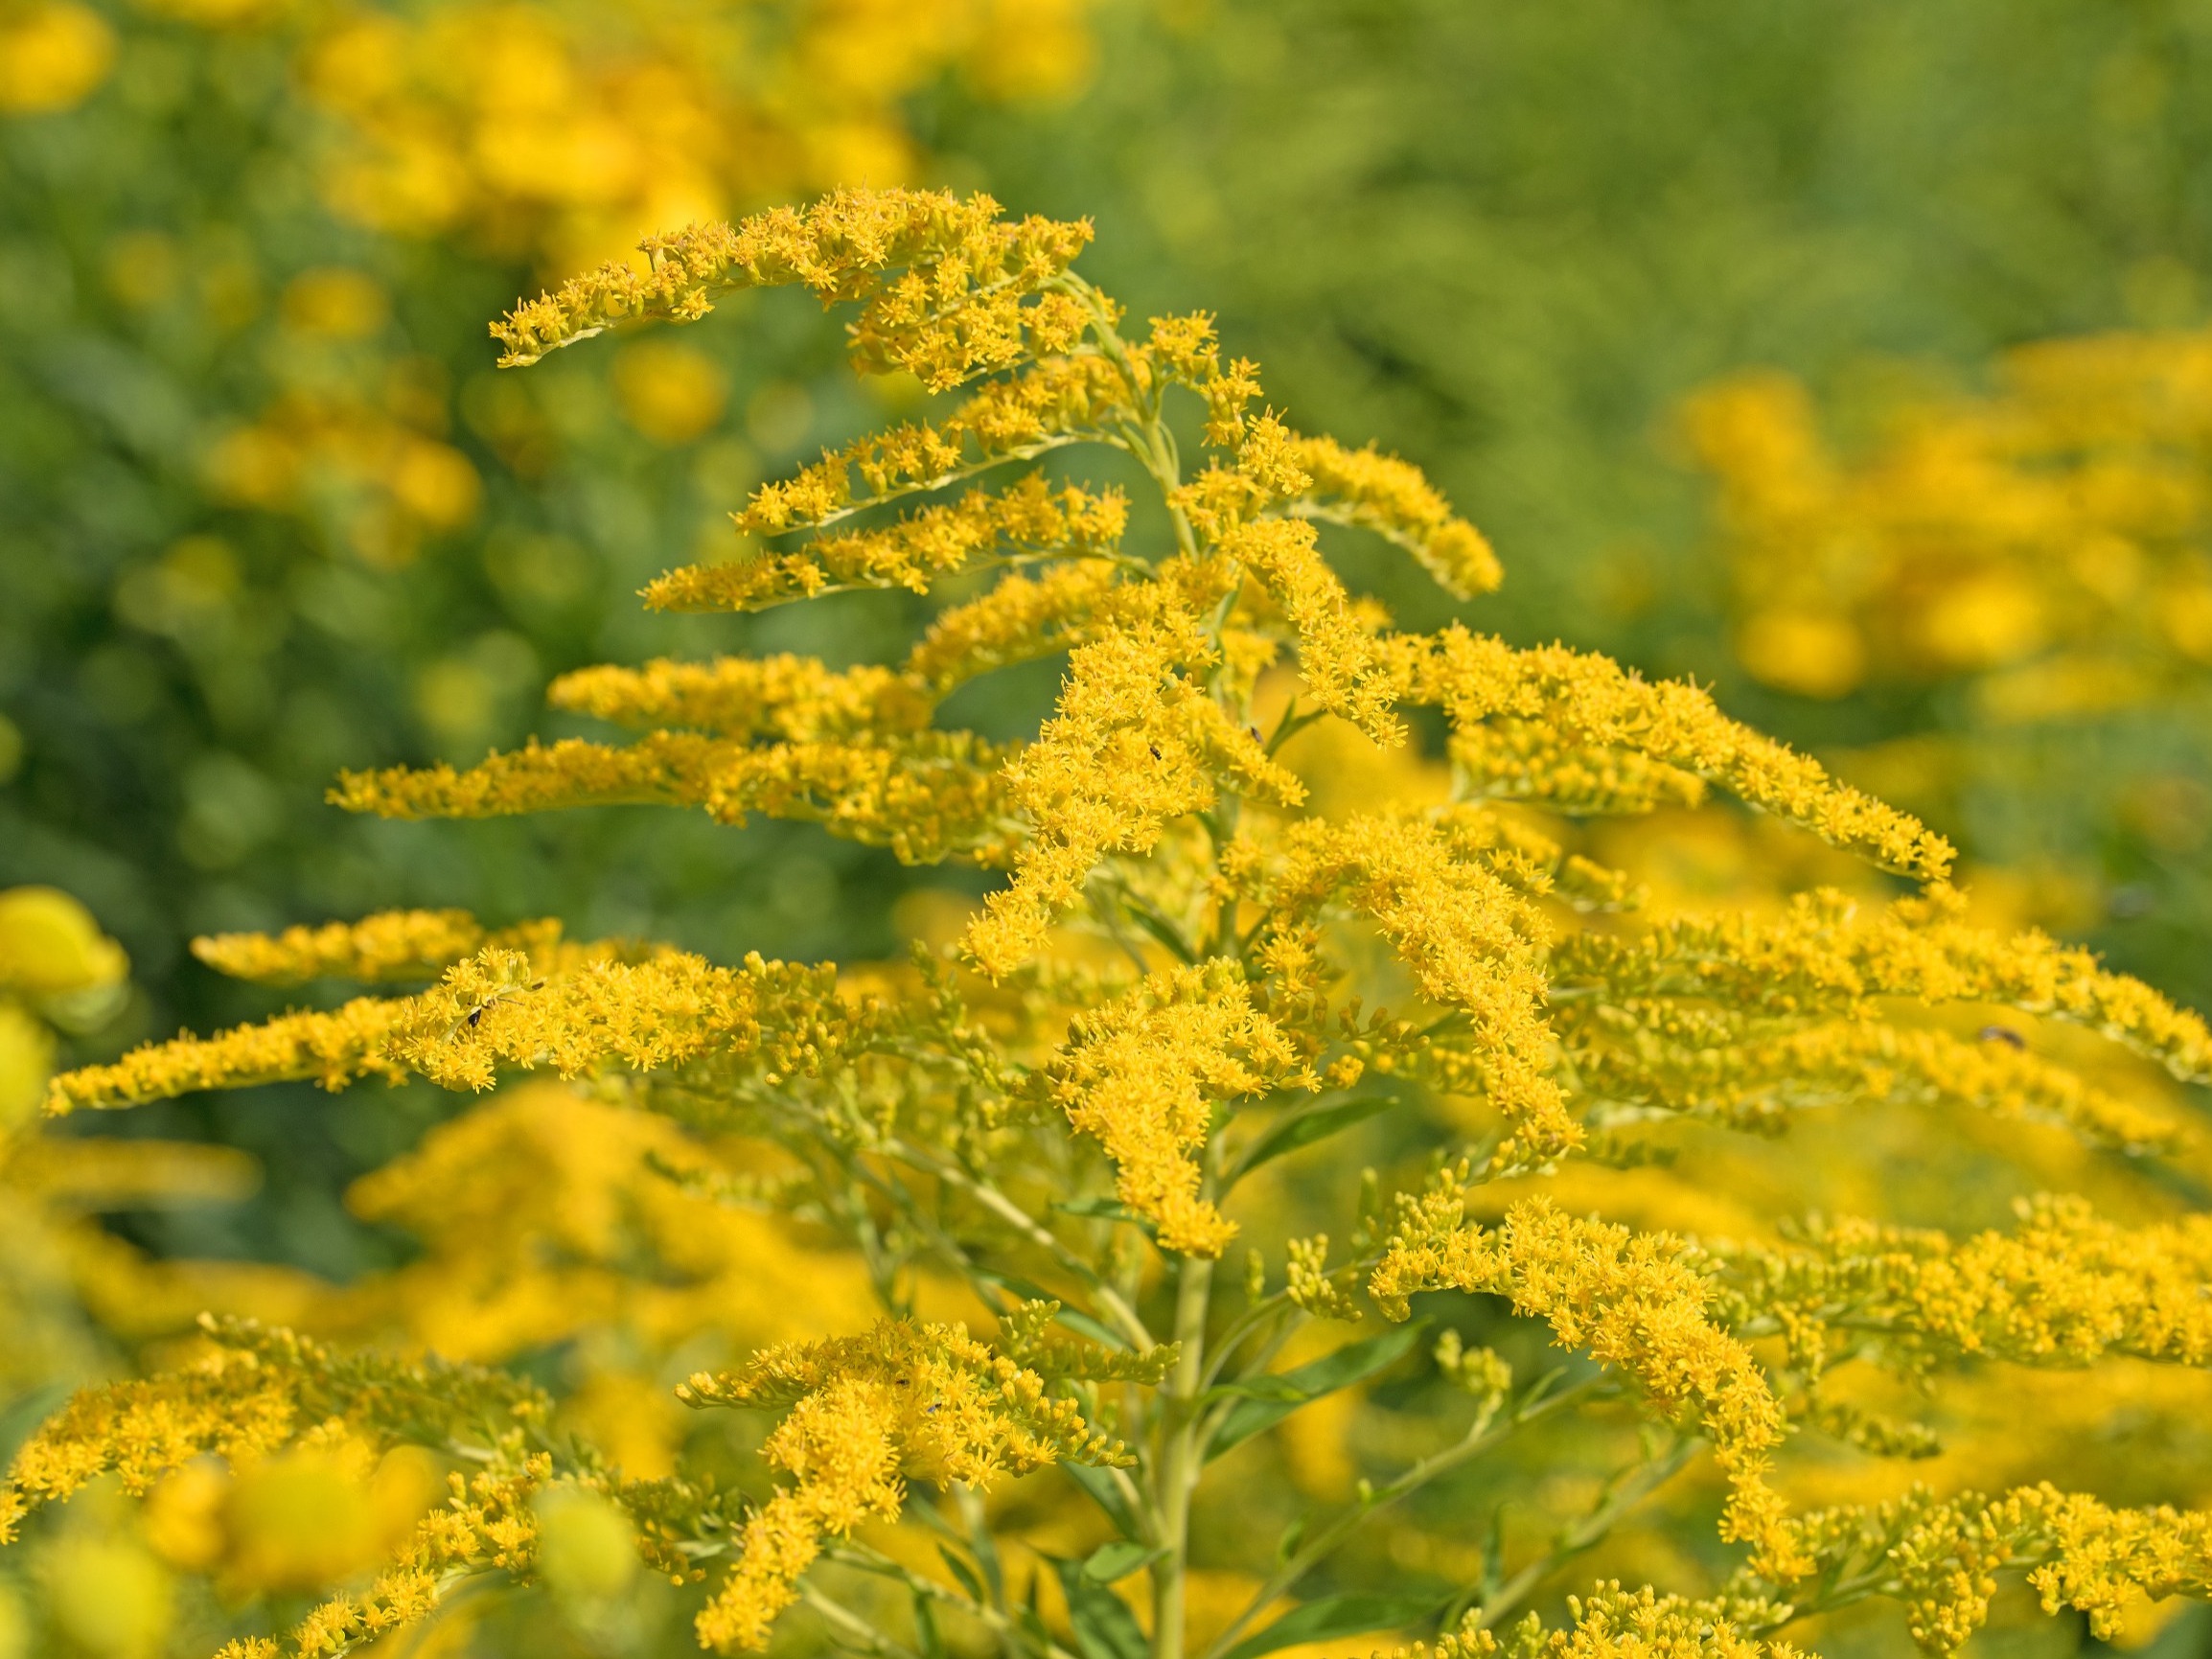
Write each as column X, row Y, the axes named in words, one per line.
column 1244, row 959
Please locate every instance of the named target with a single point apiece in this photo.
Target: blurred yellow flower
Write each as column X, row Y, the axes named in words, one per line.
column 671, row 393
column 51, row 56
column 50, row 945
column 108, row 1595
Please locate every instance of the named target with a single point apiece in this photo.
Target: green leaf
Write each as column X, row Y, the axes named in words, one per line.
column 966, row 1574
column 1328, row 1617
column 926, row 1633
column 1105, row 1628
column 1100, row 1210
column 1098, row 1486
column 1302, row 1129
column 1110, row 1562
column 1266, row 1401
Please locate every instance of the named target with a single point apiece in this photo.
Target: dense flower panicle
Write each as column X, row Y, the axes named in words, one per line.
column 1336, row 654
column 1613, row 1623
column 1473, row 943
column 1392, row 497
column 1593, row 700
column 1757, row 1082
column 1529, row 761
column 1713, row 1069
column 953, row 311
column 1942, row 1555
column 1631, row 1300
column 254, row 1393
column 782, row 698
column 1824, row 955
column 1059, row 401
column 330, row 1049
column 492, row 1009
column 862, row 1412
column 1027, row 521
column 2068, row 1288
column 1133, row 744
column 925, row 795
column 1142, row 1076
column 390, row 945
column 1022, row 618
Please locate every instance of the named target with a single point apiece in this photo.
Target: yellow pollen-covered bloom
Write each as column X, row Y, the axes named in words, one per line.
column 842, row 248
column 1142, row 1075
column 860, row 1414
column 1632, row 1302
column 390, row 945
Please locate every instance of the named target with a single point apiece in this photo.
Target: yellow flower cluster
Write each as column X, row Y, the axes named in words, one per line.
column 1709, row 1068
column 1610, row 1622
column 924, row 794
column 1053, row 404
column 390, row 945
column 252, row 1394
column 1026, row 522
column 1132, row 746
column 1628, row 1300
column 1383, row 494
column 1473, row 942
column 1593, row 701
column 953, row 311
column 860, row 1414
column 1506, row 759
column 1142, row 1076
column 1821, row 953
column 2068, row 1288
column 783, row 697
column 1942, row 1555
column 495, row 1008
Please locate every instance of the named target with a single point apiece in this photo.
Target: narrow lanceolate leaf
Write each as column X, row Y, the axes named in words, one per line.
column 1331, row 1617
column 965, row 1574
column 1290, row 1133
column 1105, row 1628
column 1266, row 1400
column 1110, row 1563
column 1099, row 1486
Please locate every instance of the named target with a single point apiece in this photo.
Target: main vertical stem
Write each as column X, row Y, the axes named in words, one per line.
column 1181, row 1457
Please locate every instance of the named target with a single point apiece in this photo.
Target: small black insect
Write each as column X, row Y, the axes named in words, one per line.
column 2004, row 1034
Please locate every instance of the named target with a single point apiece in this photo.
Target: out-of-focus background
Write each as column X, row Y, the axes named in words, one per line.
column 1841, row 357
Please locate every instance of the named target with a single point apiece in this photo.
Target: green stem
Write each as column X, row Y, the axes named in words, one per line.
column 1482, row 1435
column 856, row 1630
column 1625, row 1494
column 1181, row 1456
